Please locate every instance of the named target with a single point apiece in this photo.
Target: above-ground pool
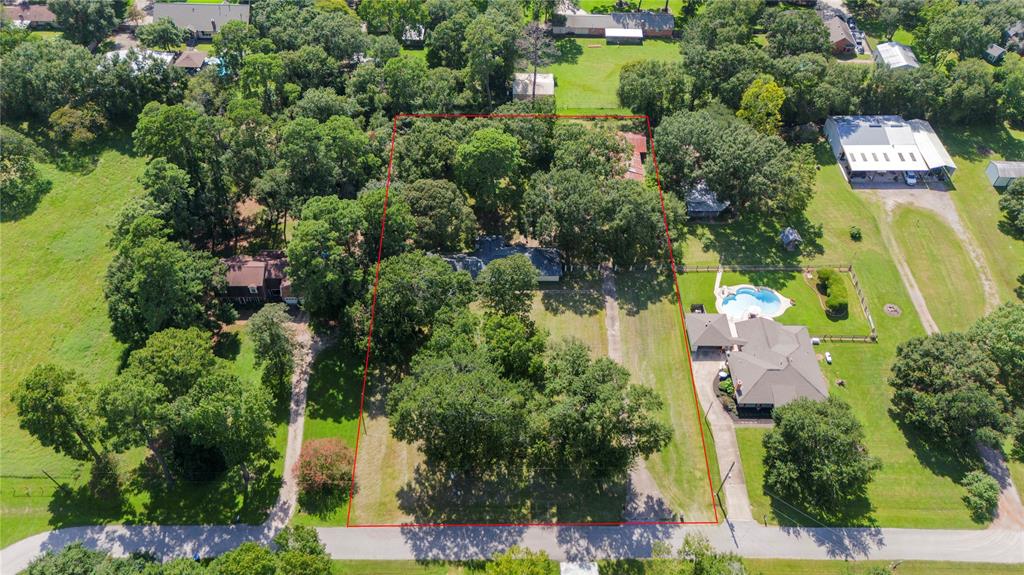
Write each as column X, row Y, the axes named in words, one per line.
column 742, row 302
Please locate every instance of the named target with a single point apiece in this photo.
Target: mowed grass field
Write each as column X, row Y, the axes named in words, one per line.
column 653, row 351
column 942, row 268
column 917, row 486
column 587, row 73
column 51, row 280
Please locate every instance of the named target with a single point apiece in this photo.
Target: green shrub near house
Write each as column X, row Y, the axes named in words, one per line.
column 831, row 285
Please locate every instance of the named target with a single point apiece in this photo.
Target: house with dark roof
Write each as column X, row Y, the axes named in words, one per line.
column 190, row 60
column 1001, row 173
column 702, row 202
column 710, row 331
column 259, row 279
column 1013, row 38
column 547, row 261
column 652, row 24
column 25, row 15
column 775, row 365
column 202, row 20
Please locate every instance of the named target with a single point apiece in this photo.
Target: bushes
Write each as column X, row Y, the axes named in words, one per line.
column 324, row 472
column 982, row 494
column 830, row 283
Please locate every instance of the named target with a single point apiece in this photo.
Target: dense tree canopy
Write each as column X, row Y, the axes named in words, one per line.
column 506, row 286
column 815, row 455
column 53, row 405
column 792, row 32
column 84, row 21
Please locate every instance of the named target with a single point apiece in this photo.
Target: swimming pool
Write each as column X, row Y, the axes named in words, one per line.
column 742, row 302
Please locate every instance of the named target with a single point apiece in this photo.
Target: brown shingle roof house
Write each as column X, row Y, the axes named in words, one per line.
column 775, row 366
column 25, row 14
column 258, row 279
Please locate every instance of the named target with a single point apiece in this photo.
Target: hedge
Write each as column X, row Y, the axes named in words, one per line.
column 831, row 284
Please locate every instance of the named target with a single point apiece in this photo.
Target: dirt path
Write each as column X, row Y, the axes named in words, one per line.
column 645, row 501
column 913, row 291
column 940, row 203
column 308, row 347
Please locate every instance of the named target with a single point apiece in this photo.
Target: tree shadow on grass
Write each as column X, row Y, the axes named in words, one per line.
column 580, row 297
column 569, row 51
column 228, row 346
column 335, row 385
column 323, row 505
column 638, row 290
column 938, row 456
column 849, row 532
column 71, row 506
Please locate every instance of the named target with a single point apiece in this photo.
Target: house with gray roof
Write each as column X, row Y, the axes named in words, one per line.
column 703, row 203
column 1001, row 173
column 653, row 24
column 775, row 365
column 709, row 331
column 202, row 20
column 994, row 54
column 547, row 261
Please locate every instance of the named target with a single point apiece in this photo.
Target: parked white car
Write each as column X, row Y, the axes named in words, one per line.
column 910, row 178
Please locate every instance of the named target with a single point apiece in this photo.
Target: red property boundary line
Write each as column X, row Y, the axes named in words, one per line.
column 679, row 304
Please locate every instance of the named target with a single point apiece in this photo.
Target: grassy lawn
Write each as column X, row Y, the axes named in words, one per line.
column 917, row 486
column 587, row 73
column 604, row 6
column 332, row 410
column 652, row 349
column 978, row 202
column 573, row 310
column 56, row 312
column 943, row 270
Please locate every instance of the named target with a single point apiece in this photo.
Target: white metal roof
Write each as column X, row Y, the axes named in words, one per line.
column 896, row 55
column 623, row 33
column 887, row 144
column 1006, row 169
column 522, row 83
column 577, row 568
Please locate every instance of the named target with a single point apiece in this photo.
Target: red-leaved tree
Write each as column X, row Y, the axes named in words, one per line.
column 324, row 468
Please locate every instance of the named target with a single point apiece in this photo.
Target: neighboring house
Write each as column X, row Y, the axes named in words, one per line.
column 259, row 279
column 548, row 261
column 1002, row 173
column 840, row 37
column 710, row 331
column 775, row 365
column 876, row 147
column 896, row 56
column 635, row 166
column 191, row 61
column 790, row 239
column 413, row 36
column 652, row 24
column 703, row 203
column 1013, row 39
column 522, row 85
column 202, row 20
column 140, row 58
column 994, row 54
column 25, row 15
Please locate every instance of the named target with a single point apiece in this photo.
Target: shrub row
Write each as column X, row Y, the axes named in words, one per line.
column 830, row 283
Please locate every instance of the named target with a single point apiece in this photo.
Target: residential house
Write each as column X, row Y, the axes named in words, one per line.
column 702, row 202
column 635, row 167
column 775, row 365
column 624, row 36
column 1002, row 174
column 523, row 86
column 651, row 24
column 1013, row 39
column 994, row 54
column 259, row 279
column 710, row 331
column 547, row 261
column 25, row 15
column 840, row 37
column 191, row 61
column 413, row 36
column 202, row 20
column 895, row 56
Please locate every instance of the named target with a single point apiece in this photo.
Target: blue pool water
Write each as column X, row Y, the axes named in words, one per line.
column 738, row 304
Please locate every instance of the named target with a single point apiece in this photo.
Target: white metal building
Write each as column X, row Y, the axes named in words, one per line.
column 896, row 56
column 868, row 145
column 1002, row 173
column 522, row 85
column 624, row 35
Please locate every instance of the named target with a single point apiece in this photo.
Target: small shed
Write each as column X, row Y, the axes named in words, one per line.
column 702, row 202
column 994, row 54
column 413, row 36
column 523, row 86
column 1001, row 173
column 624, row 36
column 790, row 239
